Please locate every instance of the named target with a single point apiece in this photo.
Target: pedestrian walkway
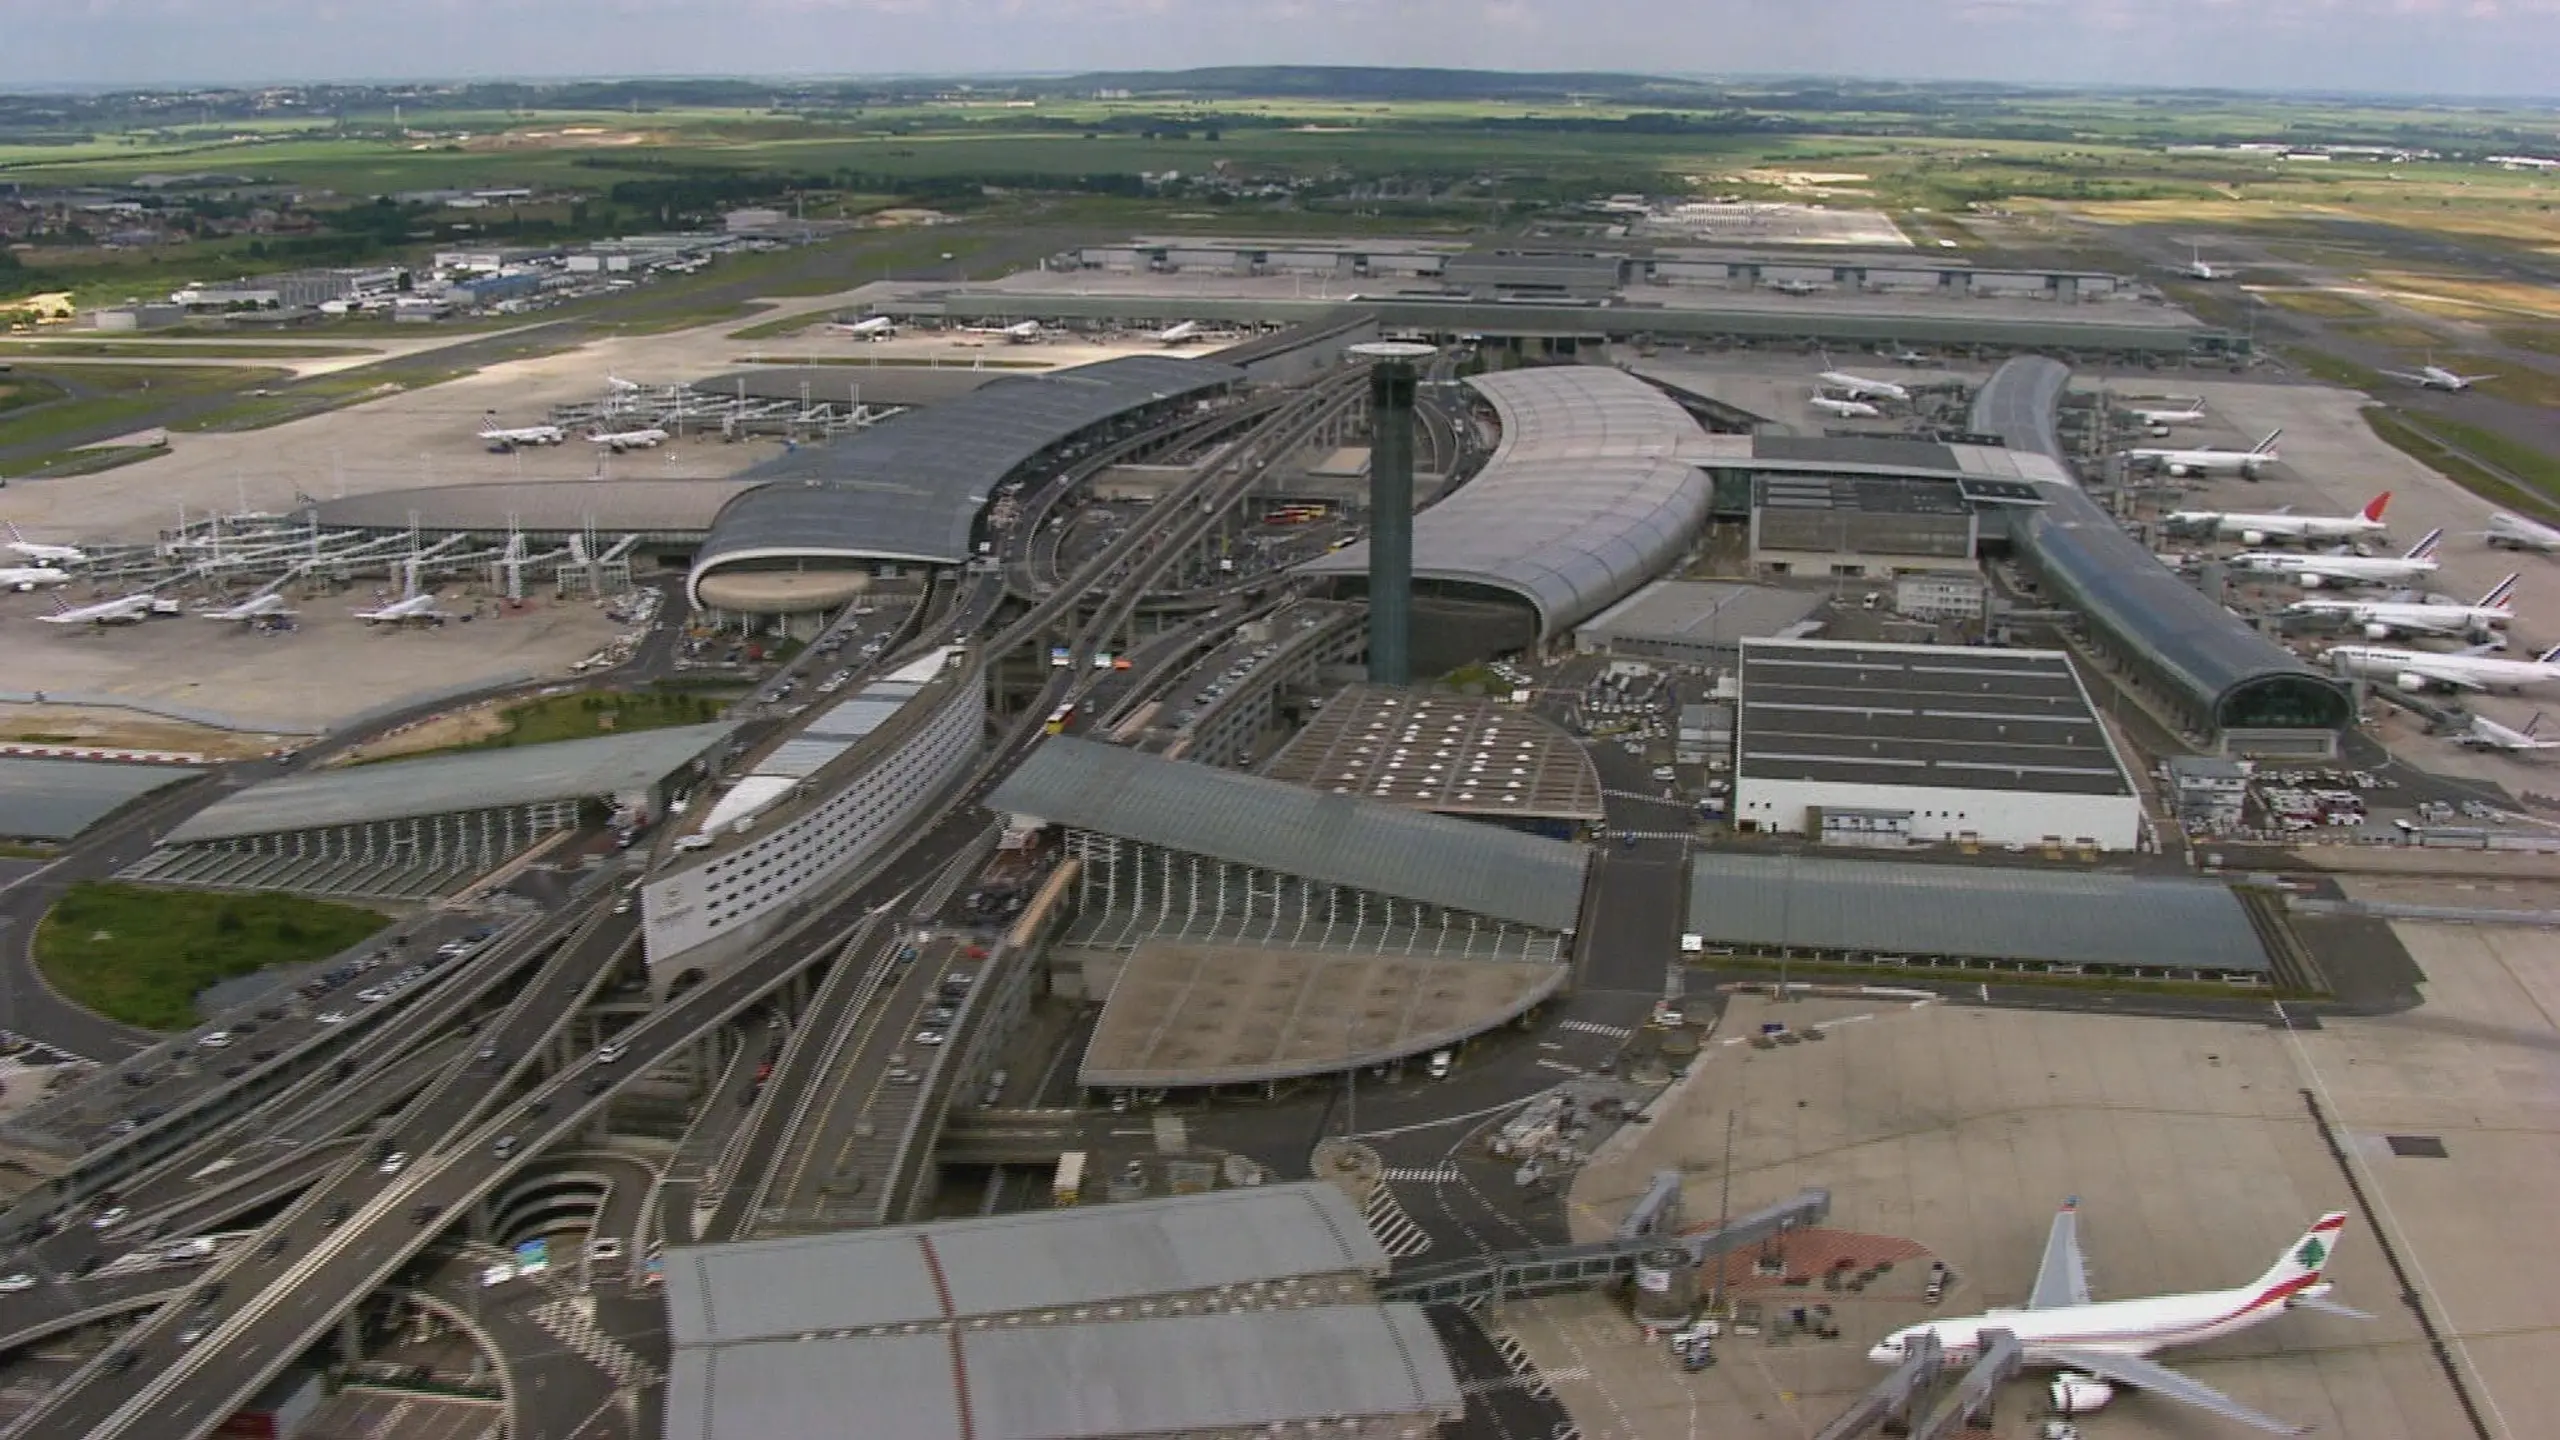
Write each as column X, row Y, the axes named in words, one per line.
column 1397, row 1233
column 1434, row 1175
column 1594, row 1027
column 573, row 1321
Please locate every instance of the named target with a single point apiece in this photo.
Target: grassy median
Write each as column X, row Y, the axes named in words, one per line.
column 141, row 955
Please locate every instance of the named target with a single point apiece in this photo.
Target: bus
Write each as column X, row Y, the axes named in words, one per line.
column 1068, row 1187
column 1060, row 718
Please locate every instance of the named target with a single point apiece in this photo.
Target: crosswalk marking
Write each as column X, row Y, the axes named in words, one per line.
column 1530, row 1380
column 575, row 1325
column 1559, row 1065
column 1397, row 1233
column 1594, row 1027
column 1653, row 834
column 1433, row 1175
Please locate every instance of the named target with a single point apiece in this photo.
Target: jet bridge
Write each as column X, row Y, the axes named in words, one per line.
column 1971, row 1395
column 1893, row 1398
column 1552, row 1268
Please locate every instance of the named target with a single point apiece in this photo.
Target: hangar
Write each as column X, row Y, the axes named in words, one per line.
column 415, row 829
column 1592, row 491
column 1889, row 745
column 1232, row 1312
column 2234, row 688
column 820, row 520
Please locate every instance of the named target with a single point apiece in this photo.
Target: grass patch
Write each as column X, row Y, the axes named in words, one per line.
column 177, row 350
column 2325, row 304
column 2456, row 462
column 775, row 329
column 141, row 955
column 592, row 713
column 2416, row 339
column 2335, row 371
column 108, row 396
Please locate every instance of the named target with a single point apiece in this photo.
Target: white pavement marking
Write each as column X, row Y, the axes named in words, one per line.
column 1433, row 1175
column 1398, row 1234
column 574, row 1323
column 1557, row 1065
column 1594, row 1027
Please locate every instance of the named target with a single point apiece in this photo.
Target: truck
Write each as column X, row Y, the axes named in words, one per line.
column 1068, row 1187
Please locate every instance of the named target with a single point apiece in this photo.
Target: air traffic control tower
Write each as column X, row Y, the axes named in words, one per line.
column 1391, row 384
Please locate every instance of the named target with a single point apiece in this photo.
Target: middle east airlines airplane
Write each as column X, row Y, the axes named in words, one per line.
column 2313, row 571
column 2432, row 376
column 1859, row 387
column 2383, row 619
column 2258, row 529
column 1847, row 409
column 32, row 577
column 42, row 553
column 123, row 610
column 2514, row 532
column 2472, row 669
column 2244, row 463
column 621, row 440
column 525, row 435
column 2099, row 1345
column 415, row 609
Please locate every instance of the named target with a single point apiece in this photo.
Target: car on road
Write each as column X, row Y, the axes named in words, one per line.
column 928, row 1037
column 216, row 1040
column 393, row 1162
column 14, row 1283
column 598, row 1084
column 372, row 995
column 193, row 1333
column 332, row 1017
column 505, row 1146
column 109, row 1218
column 902, row 1076
column 489, row 1052
column 337, row 1216
column 612, row 1052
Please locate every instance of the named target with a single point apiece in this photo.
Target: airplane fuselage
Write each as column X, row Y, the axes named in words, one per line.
column 2421, row 669
column 2132, row 1327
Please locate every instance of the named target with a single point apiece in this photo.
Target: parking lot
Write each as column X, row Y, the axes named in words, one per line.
column 2196, row 1158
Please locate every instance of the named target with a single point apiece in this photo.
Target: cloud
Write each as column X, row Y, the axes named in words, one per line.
column 2402, row 46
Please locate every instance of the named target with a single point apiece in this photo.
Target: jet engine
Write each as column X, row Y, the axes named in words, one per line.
column 2309, row 580
column 2178, row 469
column 2078, row 1394
column 2411, row 683
column 2376, row 630
column 2254, row 539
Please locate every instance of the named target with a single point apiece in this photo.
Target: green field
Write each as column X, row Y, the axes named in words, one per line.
column 601, row 712
column 141, row 955
column 176, row 350
column 90, row 396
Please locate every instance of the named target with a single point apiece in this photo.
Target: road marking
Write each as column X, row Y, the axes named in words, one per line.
column 1398, row 1233
column 1426, row 1175
column 1594, row 1027
column 1559, row 1065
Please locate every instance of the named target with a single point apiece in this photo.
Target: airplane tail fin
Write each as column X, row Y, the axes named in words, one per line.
column 2425, row 549
column 2266, row 446
column 2373, row 508
column 13, row 531
column 2548, row 657
column 2299, row 1267
column 2503, row 591
column 2532, row 725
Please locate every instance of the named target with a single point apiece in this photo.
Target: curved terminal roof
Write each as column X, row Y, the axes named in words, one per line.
column 2229, row 670
column 910, row 488
column 1591, row 492
column 612, row 508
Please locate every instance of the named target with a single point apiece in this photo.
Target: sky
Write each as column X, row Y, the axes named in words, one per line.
column 2447, row 47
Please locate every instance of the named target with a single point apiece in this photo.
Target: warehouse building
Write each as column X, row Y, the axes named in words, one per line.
column 1968, row 917
column 1230, row 1313
column 814, row 805
column 417, row 829
column 1883, row 746
column 1694, row 622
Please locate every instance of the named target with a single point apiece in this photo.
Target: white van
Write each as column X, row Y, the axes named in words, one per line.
column 1441, row 1060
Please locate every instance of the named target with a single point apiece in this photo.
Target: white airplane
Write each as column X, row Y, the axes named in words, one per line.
column 621, row 440
column 1846, row 409
column 123, row 610
column 42, row 553
column 2193, row 412
column 1901, row 354
column 2197, row 268
column 1187, row 331
column 2382, row 619
column 2255, row 530
column 1027, row 332
column 32, row 577
column 878, row 327
column 2246, row 463
column 1794, row 287
column 418, row 609
column 620, row 386
column 2099, row 1345
column 2487, row 734
column 2471, row 669
column 2514, row 532
column 1859, row 387
column 252, row 610
column 2432, row 376
column 525, row 435
column 2313, row 571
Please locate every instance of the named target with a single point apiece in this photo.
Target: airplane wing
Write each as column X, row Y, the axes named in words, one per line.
column 2474, row 379
column 2411, row 377
column 2160, row 1380
column 2442, row 676
column 2063, row 1278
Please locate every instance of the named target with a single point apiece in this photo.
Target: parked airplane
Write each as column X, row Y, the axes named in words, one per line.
column 620, row 386
column 42, row 553
column 2193, row 412
column 2382, row 619
column 123, row 610
column 1859, row 387
column 1901, row 354
column 32, row 577
column 2472, row 669
column 2432, row 376
column 252, row 610
column 1794, row 287
column 2098, row 1346
column 621, row 440
column 1188, row 330
column 525, row 435
column 2197, row 268
column 878, row 327
column 2313, row 571
column 2514, row 532
column 1847, row 409
column 415, row 609
column 1027, row 332
column 2257, row 529
column 2487, row 734
column 2245, row 463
